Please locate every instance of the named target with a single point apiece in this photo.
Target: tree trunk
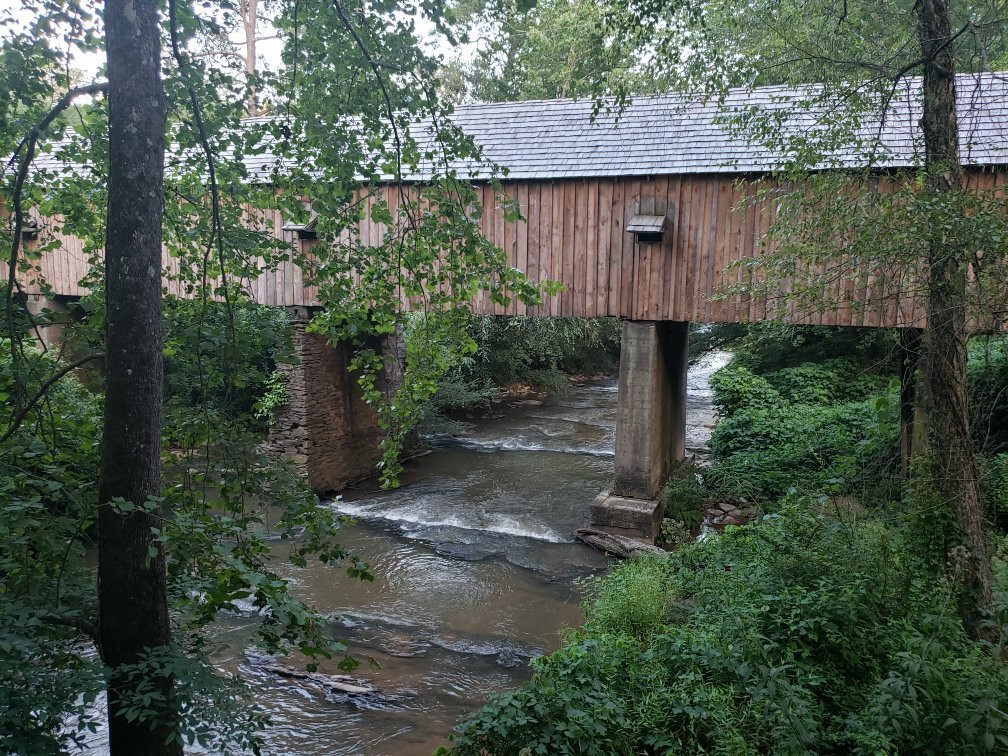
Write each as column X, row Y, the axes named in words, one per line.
column 132, row 602
column 945, row 344
column 250, row 19
column 909, row 346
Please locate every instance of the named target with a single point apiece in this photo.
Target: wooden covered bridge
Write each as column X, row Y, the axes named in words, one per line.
column 638, row 218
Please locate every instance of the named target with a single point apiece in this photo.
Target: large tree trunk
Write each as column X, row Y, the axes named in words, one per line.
column 945, row 357
column 133, row 608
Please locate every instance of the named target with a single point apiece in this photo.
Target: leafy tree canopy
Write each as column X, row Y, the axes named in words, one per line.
column 529, row 49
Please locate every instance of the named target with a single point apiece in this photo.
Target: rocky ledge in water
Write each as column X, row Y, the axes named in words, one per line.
column 355, row 690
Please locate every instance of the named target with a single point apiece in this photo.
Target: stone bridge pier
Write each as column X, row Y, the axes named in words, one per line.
column 650, row 427
column 325, row 428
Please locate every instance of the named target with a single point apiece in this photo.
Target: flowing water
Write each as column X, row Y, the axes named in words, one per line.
column 475, row 568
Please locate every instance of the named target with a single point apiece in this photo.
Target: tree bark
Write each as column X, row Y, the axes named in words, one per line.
column 909, row 345
column 945, row 338
column 249, row 10
column 132, row 603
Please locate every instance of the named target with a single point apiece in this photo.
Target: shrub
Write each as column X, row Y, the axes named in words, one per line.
column 48, row 470
column 633, row 600
column 833, row 380
column 707, row 337
column 540, row 351
column 235, row 368
column 509, row 349
column 736, row 387
column 828, row 427
column 994, row 479
column 456, row 394
column 770, row 346
column 800, row 634
column 987, row 372
column 763, row 453
column 685, row 496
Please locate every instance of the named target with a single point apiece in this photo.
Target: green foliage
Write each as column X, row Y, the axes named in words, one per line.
column 708, row 337
column 511, row 349
column 815, row 427
column 722, row 43
column 274, row 396
column 216, row 712
column 539, row 49
column 832, row 380
column 770, row 346
column 799, row 634
column 926, row 514
column 806, row 409
column 987, row 373
column 685, row 496
column 736, row 387
column 633, row 600
column 227, row 501
column 48, row 470
column 994, row 480
column 225, row 361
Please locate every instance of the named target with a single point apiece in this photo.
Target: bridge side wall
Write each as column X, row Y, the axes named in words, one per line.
column 573, row 231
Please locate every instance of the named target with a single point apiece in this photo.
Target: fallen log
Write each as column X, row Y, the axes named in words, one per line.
column 340, row 683
column 617, row 545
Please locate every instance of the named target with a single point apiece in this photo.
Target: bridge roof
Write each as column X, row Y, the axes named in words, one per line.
column 671, row 134
column 675, row 134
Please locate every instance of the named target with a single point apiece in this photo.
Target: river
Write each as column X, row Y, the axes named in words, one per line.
column 475, row 573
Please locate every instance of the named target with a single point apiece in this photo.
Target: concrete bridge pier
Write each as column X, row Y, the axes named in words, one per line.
column 650, row 427
column 325, row 428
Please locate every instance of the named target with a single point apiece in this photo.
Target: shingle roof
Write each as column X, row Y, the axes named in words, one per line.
column 669, row 134
column 675, row 134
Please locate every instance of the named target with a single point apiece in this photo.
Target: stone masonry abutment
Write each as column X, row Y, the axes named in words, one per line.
column 325, row 428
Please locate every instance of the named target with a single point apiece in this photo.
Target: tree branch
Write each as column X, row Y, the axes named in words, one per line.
column 89, row 629
column 22, row 413
column 26, row 149
column 216, row 231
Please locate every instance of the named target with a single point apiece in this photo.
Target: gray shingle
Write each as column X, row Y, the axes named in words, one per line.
column 674, row 134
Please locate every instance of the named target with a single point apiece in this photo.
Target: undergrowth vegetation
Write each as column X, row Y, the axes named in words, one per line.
column 817, row 411
column 812, row 427
column 540, row 353
column 806, row 409
column 235, row 381
column 804, row 633
column 217, row 484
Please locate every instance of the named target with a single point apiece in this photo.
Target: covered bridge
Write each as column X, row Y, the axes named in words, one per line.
column 638, row 217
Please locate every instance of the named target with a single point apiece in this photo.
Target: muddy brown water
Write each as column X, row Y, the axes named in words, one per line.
column 475, row 574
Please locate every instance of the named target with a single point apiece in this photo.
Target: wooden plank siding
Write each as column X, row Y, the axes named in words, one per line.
column 574, row 231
